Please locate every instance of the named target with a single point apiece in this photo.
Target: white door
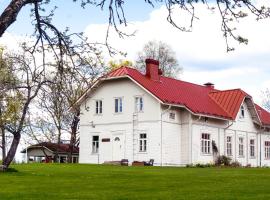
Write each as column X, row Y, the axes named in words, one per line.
column 118, row 147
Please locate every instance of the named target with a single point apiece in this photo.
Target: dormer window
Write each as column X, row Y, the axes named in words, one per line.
column 242, row 112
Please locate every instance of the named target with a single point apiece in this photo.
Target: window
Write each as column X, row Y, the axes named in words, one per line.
column 241, row 147
column 205, row 143
column 98, row 107
column 242, row 110
column 138, row 104
column 118, row 105
column 143, row 142
column 172, row 115
column 267, row 149
column 229, row 146
column 252, row 148
column 95, row 144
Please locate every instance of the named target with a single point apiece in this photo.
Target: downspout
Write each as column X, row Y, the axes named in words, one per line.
column 161, row 133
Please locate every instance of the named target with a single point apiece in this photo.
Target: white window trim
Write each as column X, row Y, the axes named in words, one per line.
column 243, row 147
column 146, row 144
column 136, row 105
column 266, row 151
column 92, row 144
column 231, row 142
column 117, row 113
column 242, row 108
column 204, row 153
column 254, row 145
column 173, row 112
column 98, row 100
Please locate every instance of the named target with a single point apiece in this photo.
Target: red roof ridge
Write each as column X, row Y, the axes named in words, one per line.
column 195, row 84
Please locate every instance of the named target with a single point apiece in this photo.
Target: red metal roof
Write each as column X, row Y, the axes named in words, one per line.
column 263, row 114
column 197, row 98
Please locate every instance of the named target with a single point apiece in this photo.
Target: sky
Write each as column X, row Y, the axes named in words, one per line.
column 201, row 53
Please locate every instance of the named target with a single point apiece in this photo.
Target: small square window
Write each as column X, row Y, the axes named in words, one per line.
column 172, row 115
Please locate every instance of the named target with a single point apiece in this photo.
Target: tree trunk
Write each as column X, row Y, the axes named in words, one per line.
column 3, row 143
column 73, row 136
column 12, row 151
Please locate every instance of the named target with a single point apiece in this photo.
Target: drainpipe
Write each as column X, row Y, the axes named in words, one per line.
column 161, row 133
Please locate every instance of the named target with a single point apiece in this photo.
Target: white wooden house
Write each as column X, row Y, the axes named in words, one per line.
column 135, row 116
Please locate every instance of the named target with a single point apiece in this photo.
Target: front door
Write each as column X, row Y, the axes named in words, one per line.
column 118, row 147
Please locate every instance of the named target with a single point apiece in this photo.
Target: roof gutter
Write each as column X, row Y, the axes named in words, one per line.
column 196, row 114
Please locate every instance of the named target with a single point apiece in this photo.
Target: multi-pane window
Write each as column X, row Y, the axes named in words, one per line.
column 138, row 104
column 241, row 146
column 98, row 106
column 95, row 144
column 205, row 143
column 242, row 112
column 118, row 105
column 172, row 115
column 267, row 149
column 143, row 142
column 252, row 148
column 229, row 146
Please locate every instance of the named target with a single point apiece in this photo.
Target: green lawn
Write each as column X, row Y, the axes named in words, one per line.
column 55, row 181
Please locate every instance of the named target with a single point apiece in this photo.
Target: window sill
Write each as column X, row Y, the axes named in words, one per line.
column 118, row 113
column 206, row 154
column 241, row 156
column 253, row 157
column 142, row 152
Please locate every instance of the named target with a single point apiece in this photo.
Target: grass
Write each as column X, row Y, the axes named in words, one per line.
column 63, row 181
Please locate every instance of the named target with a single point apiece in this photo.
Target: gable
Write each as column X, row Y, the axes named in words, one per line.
column 198, row 99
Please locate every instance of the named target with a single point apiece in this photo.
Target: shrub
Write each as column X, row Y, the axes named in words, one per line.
column 223, row 160
column 235, row 164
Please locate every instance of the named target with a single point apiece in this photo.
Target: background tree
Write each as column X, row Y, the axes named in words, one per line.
column 266, row 99
column 163, row 53
column 115, row 64
column 21, row 87
column 230, row 11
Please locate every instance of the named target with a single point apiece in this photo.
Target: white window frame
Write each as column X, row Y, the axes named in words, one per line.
column 252, row 148
column 99, row 107
column 95, row 144
column 143, row 142
column 267, row 150
column 118, row 107
column 229, row 145
column 241, row 147
column 242, row 112
column 206, row 143
column 172, row 115
column 139, row 104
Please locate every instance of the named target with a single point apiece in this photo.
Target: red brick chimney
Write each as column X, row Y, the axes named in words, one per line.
column 152, row 69
column 210, row 85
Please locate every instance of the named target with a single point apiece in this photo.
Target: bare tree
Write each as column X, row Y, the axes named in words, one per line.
column 163, row 53
column 266, row 99
column 230, row 11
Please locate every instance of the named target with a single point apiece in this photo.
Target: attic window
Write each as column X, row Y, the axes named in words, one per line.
column 242, row 110
column 172, row 115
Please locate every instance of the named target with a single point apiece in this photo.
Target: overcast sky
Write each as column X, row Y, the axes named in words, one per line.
column 201, row 53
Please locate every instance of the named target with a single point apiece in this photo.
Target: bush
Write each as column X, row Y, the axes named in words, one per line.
column 235, row 164
column 223, row 160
